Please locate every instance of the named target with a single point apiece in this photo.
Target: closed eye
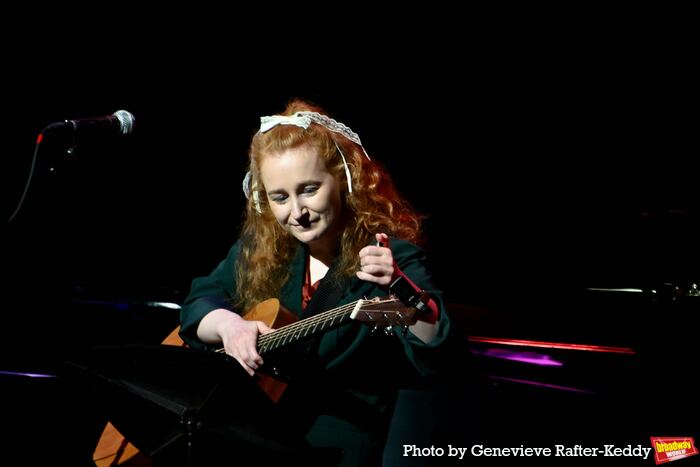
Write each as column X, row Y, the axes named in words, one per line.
column 281, row 196
column 278, row 198
column 310, row 189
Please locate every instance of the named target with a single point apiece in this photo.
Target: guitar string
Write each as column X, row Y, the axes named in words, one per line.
column 303, row 325
column 285, row 331
column 313, row 322
column 293, row 332
column 307, row 323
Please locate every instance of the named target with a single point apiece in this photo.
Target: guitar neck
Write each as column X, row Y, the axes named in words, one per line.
column 305, row 328
column 388, row 311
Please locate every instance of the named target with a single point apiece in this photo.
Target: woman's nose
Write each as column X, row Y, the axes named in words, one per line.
column 298, row 209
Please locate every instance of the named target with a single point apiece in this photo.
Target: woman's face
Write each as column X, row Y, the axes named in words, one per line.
column 303, row 195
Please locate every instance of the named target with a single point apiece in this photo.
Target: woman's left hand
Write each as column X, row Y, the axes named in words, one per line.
column 377, row 263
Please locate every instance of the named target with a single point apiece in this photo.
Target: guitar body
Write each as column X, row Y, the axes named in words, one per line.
column 114, row 449
column 274, row 315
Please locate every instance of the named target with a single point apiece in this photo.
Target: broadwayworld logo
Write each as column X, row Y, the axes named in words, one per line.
column 671, row 449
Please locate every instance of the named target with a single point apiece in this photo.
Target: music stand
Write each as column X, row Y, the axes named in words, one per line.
column 186, row 407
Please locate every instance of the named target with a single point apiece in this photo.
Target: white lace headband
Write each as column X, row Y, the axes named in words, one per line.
column 303, row 119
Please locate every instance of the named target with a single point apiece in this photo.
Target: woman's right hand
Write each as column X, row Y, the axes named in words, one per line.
column 238, row 336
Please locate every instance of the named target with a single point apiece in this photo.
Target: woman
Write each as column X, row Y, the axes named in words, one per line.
column 321, row 213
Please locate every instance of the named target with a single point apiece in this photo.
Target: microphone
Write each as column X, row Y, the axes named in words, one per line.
column 121, row 122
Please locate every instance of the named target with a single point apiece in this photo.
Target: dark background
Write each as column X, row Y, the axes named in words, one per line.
column 542, row 174
column 575, row 173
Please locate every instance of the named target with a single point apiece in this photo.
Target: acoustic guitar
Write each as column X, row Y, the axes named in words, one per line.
column 114, row 449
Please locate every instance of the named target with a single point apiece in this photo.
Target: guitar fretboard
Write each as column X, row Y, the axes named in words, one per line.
column 305, row 328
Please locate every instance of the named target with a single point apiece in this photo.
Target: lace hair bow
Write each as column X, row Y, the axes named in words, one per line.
column 303, row 119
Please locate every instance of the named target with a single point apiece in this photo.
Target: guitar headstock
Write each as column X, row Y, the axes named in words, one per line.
column 384, row 311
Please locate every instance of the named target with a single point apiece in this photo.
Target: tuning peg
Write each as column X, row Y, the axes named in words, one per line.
column 389, row 331
column 373, row 330
column 404, row 330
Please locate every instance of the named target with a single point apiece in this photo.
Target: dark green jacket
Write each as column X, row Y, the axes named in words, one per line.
column 359, row 373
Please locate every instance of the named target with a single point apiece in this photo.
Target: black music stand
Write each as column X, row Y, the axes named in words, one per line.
column 186, row 407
